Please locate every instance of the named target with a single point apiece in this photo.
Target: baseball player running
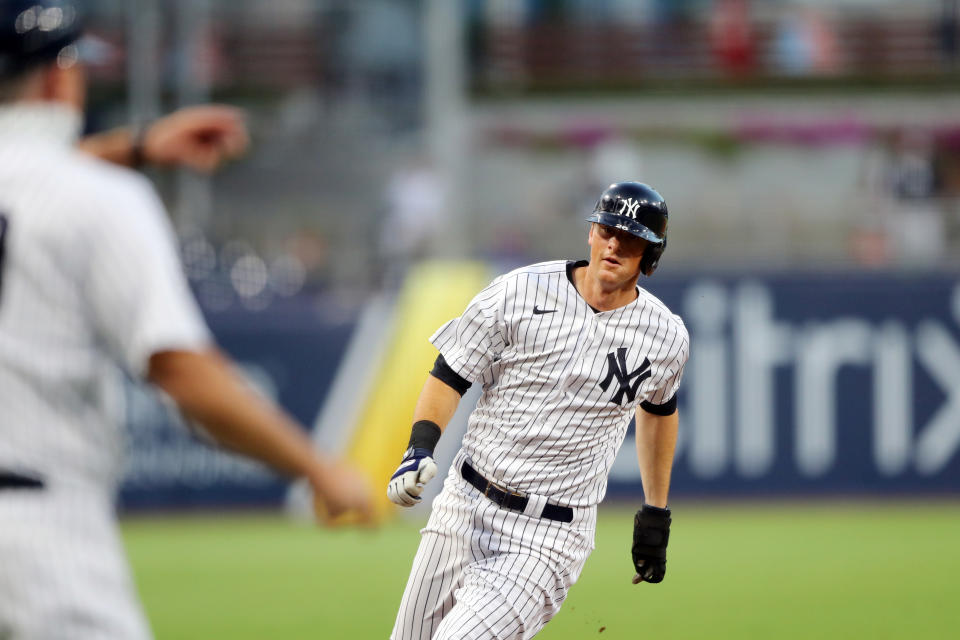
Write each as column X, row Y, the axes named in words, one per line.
column 567, row 353
column 89, row 280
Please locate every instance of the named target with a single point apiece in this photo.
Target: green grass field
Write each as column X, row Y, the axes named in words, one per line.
column 839, row 570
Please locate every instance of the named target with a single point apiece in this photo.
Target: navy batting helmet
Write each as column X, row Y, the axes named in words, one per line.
column 637, row 209
column 34, row 32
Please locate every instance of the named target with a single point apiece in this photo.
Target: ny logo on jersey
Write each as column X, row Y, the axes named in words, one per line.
column 617, row 366
column 629, row 207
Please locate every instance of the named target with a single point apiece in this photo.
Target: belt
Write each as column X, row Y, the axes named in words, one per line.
column 10, row 480
column 509, row 500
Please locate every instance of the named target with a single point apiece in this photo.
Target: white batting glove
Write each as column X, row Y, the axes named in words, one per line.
column 415, row 471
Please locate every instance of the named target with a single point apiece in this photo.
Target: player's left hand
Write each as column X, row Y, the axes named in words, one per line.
column 416, row 469
column 651, row 530
column 201, row 137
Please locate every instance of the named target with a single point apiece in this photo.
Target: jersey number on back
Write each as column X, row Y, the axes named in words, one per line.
column 3, row 237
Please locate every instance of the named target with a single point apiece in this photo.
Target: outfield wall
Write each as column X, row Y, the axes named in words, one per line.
column 816, row 383
column 827, row 383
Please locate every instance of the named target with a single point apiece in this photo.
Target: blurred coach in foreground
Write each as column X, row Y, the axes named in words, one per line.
column 89, row 280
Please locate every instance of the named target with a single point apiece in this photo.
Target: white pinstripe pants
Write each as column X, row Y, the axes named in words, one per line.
column 63, row 571
column 483, row 572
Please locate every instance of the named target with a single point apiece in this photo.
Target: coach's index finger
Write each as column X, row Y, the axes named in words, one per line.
column 226, row 125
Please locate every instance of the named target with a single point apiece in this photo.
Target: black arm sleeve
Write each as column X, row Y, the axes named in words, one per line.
column 665, row 409
column 442, row 372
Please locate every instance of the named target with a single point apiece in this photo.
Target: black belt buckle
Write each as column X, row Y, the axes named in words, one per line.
column 501, row 496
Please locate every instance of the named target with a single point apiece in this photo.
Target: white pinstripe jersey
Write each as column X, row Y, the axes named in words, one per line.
column 89, row 280
column 560, row 380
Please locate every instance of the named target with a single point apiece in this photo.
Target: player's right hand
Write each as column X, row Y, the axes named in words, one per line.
column 407, row 482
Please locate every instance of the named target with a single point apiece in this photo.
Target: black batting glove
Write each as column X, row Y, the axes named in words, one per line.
column 651, row 530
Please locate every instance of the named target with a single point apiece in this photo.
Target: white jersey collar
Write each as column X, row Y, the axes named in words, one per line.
column 49, row 121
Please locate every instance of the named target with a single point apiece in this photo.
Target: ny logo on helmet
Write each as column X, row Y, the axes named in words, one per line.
column 629, row 207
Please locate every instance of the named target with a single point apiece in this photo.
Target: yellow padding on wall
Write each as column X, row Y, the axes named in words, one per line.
column 433, row 293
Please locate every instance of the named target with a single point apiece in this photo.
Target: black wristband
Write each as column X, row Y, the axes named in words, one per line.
column 138, row 139
column 425, row 435
column 660, row 511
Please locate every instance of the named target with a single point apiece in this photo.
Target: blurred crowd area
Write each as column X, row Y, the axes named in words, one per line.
column 784, row 134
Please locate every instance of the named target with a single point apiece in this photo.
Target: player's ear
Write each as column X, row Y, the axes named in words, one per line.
column 63, row 83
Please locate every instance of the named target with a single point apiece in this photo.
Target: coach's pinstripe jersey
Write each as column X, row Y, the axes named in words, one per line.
column 89, row 279
column 560, row 380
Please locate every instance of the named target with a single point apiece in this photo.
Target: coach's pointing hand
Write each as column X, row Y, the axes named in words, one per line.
column 651, row 530
column 201, row 138
column 407, row 482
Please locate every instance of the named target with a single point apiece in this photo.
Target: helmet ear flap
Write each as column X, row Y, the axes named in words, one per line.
column 651, row 257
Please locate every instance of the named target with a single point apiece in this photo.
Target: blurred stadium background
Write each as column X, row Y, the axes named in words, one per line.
column 407, row 151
